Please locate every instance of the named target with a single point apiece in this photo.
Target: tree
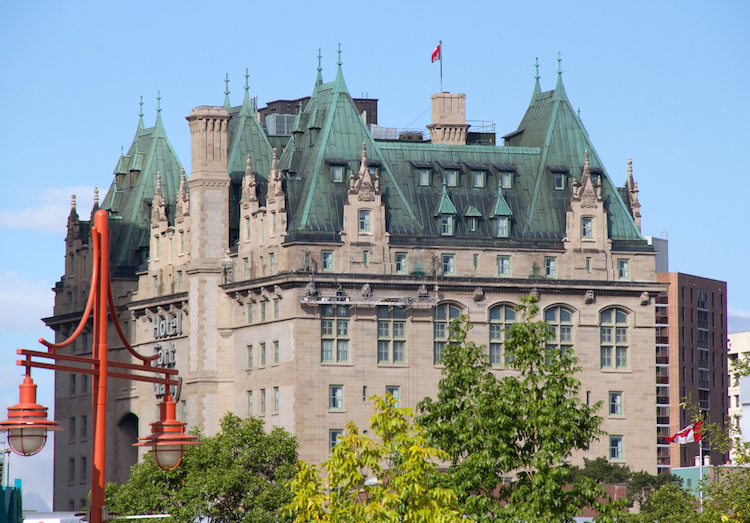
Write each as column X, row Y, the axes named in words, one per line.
column 527, row 423
column 402, row 466
column 668, row 504
column 240, row 474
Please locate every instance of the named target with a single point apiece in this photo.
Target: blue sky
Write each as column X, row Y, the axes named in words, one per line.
column 662, row 82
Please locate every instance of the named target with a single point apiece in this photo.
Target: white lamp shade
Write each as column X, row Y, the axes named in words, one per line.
column 27, row 441
column 167, row 456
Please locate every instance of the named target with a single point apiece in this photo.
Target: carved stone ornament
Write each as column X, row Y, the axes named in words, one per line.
column 589, row 298
column 534, row 292
column 366, row 290
column 645, row 298
column 588, row 200
column 366, row 192
column 478, row 294
column 422, row 292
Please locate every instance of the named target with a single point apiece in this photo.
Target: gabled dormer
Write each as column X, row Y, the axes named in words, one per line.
column 446, row 214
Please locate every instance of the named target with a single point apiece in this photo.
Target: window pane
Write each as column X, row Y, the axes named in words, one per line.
column 622, row 357
column 606, row 356
column 606, row 336
column 399, row 351
column 326, row 350
column 621, row 335
column 565, row 315
column 495, row 313
column 566, row 334
column 440, row 331
column 384, row 329
column 326, row 328
column 496, row 332
column 496, row 350
column 399, row 329
column 384, row 348
column 454, row 312
column 606, row 316
column 342, row 350
column 550, row 314
column 342, row 328
column 621, row 317
column 510, row 314
column 439, row 346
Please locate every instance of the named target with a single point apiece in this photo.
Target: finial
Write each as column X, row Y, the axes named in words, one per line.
column 586, row 160
column 247, row 164
column 537, row 69
column 579, row 113
column 96, row 195
column 364, row 150
column 226, row 81
column 122, row 151
column 141, row 104
column 158, row 182
column 339, row 51
column 559, row 63
column 630, row 165
column 158, row 101
column 73, row 201
column 246, row 79
column 319, row 57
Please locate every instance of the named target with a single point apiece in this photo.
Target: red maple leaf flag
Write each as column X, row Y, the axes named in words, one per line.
column 436, row 54
column 687, row 435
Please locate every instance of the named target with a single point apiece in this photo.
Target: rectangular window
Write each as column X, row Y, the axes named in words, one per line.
column 451, row 176
column 84, row 383
column 424, row 177
column 623, row 269
column 364, row 221
column 72, row 381
column 249, row 312
column 334, row 437
column 275, row 352
column 478, row 178
column 156, row 285
column 326, row 259
column 560, row 181
column 615, row 448
column 249, row 356
column 446, row 225
column 503, row 265
column 158, row 248
column 273, row 223
column 84, row 427
column 182, row 242
column 84, row 469
column 502, row 227
column 276, row 399
column 245, row 266
column 262, row 354
column 334, row 345
column 72, row 471
column 506, row 180
column 587, row 227
column 247, row 227
column 336, row 397
column 338, row 173
column 401, row 262
column 550, row 267
column 262, row 401
column 448, row 263
column 615, row 403
column 276, row 309
column 476, row 261
column 271, row 263
column 249, row 403
column 394, row 391
column 606, row 357
column 473, row 223
column 588, row 265
column 366, row 258
column 179, row 281
column 621, row 357
column 262, row 311
column 71, row 430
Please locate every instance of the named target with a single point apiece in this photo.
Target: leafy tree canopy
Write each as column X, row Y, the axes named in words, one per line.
column 402, row 471
column 524, row 424
column 238, row 475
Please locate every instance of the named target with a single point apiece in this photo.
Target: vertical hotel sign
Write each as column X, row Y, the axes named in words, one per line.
column 164, row 328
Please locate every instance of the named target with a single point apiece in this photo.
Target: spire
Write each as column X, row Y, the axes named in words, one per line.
column 364, row 184
column 274, row 180
column 249, row 193
column 159, row 126
column 537, row 87
column 73, row 216
column 501, row 207
column 340, row 83
column 319, row 79
column 445, row 206
column 559, row 88
column 226, row 92
column 629, row 182
column 183, row 199
column 140, row 115
column 247, row 104
column 158, row 206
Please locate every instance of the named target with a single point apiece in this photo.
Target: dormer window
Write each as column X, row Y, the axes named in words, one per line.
column 506, row 180
column 478, row 177
column 559, row 181
column 364, row 221
column 451, row 177
column 446, row 225
column 337, row 173
column 424, row 177
column 473, row 224
column 587, row 227
column 502, row 226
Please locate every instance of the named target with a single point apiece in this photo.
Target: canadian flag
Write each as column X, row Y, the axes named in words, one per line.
column 687, row 435
column 436, row 54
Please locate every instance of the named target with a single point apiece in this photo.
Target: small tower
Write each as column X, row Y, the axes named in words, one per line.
column 632, row 188
column 448, row 119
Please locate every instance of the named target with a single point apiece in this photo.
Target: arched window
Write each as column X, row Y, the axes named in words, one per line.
column 614, row 339
column 560, row 327
column 501, row 317
column 444, row 314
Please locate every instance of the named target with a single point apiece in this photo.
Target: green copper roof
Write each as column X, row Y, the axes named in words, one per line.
column 129, row 207
column 501, row 207
column 472, row 212
column 445, row 206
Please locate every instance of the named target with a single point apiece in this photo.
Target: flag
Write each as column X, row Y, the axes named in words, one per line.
column 687, row 435
column 436, row 54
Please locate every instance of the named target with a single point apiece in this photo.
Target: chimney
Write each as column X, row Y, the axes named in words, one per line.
column 448, row 119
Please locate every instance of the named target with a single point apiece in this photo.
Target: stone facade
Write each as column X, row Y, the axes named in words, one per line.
column 350, row 257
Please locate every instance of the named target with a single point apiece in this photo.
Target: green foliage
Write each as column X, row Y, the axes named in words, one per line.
column 727, row 500
column 528, row 423
column 238, row 475
column 400, row 459
column 669, row 504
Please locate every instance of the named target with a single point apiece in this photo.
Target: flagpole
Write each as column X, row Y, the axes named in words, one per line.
column 441, row 65
column 700, row 473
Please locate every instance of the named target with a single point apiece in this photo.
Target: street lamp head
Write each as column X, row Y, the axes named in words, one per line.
column 27, row 422
column 168, row 439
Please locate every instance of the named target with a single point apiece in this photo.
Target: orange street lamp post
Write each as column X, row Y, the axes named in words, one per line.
column 27, row 422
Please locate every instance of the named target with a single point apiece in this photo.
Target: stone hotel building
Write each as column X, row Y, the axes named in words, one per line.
column 309, row 262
